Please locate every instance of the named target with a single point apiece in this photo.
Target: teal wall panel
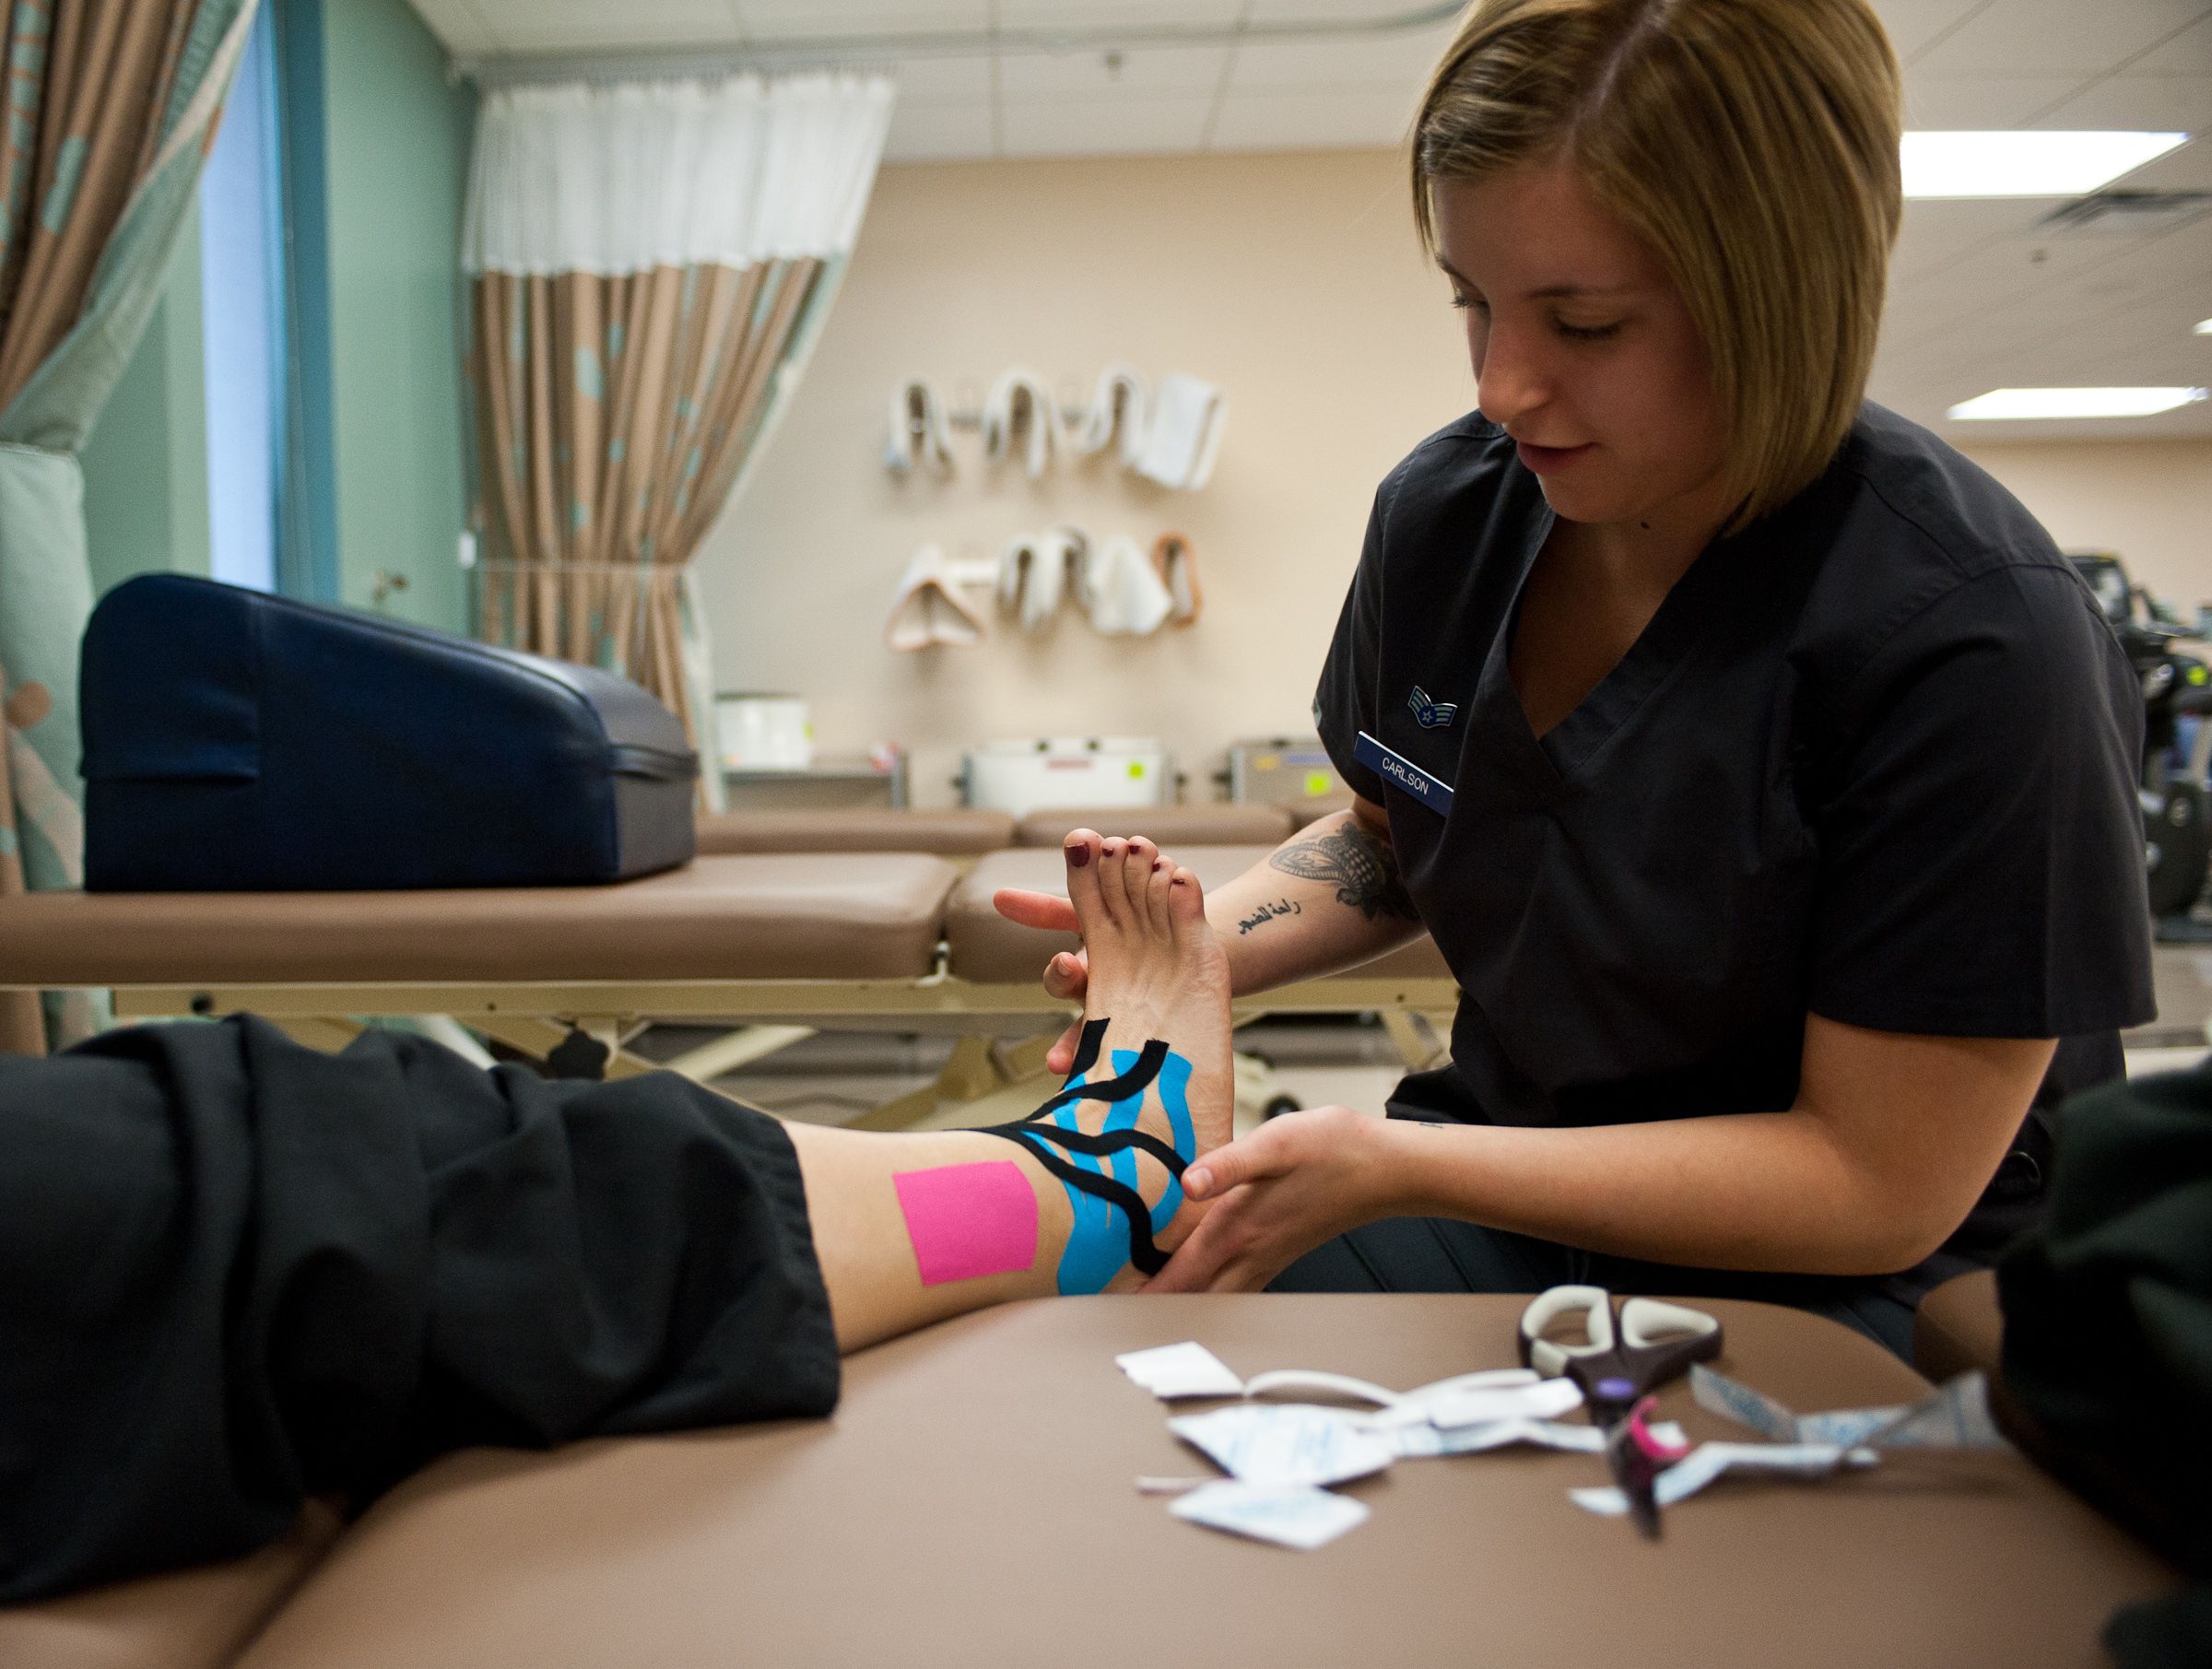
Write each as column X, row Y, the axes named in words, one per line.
column 376, row 148
column 396, row 159
column 307, row 540
column 146, row 465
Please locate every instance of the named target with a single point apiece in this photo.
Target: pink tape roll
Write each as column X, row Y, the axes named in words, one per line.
column 969, row 1221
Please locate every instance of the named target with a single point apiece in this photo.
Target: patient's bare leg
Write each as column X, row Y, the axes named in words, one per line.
column 872, row 1251
column 914, row 1228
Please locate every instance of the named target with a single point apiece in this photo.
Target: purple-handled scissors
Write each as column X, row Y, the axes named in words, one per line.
column 1624, row 1356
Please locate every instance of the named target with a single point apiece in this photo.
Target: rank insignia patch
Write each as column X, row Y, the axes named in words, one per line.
column 1428, row 714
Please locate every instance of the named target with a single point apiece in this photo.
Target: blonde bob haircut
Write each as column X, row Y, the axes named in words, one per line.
column 1753, row 144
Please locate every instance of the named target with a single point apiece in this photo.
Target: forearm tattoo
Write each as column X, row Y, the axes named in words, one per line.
column 1268, row 912
column 1364, row 870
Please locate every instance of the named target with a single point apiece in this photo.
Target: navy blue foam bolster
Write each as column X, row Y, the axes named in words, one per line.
column 236, row 741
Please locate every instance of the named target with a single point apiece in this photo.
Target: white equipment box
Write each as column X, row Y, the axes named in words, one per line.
column 1021, row 777
column 1285, row 772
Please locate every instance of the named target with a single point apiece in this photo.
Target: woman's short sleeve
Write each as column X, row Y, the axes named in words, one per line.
column 1344, row 704
column 1980, row 844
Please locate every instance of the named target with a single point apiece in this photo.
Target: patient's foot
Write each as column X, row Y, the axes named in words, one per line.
column 1157, row 972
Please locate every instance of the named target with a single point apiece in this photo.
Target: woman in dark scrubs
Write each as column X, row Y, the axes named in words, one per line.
column 1746, row 749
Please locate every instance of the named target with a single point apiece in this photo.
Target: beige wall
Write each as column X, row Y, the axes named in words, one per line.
column 1294, row 282
column 2149, row 502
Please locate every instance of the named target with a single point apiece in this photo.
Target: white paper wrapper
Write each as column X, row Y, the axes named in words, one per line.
column 1287, row 1444
column 1290, row 1516
column 1540, row 1401
column 1169, row 1371
column 1954, row 1415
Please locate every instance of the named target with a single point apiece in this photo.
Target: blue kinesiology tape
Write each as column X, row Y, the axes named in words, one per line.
column 1173, row 1084
column 1097, row 1239
column 1122, row 1115
column 1098, row 1245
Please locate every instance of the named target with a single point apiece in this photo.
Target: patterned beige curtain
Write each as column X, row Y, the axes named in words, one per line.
column 86, row 85
column 111, row 108
column 648, row 265
column 615, row 412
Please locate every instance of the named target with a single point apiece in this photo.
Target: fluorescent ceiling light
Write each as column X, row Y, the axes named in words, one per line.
column 2074, row 403
column 2204, row 327
column 2023, row 162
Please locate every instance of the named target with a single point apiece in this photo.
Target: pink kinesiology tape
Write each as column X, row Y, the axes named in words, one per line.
column 969, row 1221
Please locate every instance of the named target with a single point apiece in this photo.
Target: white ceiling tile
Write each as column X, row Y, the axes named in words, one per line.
column 1105, row 126
column 1264, row 12
column 2095, row 311
column 457, row 24
column 2168, row 311
column 1291, row 120
column 1106, row 16
column 2181, row 256
column 2157, row 104
column 935, row 132
column 2174, row 316
column 2033, row 38
column 1973, row 105
column 2105, row 296
column 845, row 16
column 595, row 28
column 1912, row 306
column 944, row 81
column 1138, row 73
column 2188, row 53
column 1936, row 234
column 768, row 20
column 1913, row 23
column 655, row 16
column 1399, row 60
column 2027, row 271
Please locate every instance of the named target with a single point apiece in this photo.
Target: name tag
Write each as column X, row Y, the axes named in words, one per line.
column 1391, row 768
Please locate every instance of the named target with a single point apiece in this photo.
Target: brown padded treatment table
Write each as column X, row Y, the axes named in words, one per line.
column 834, row 933
column 1303, row 812
column 522, row 964
column 971, row 1505
column 837, row 917
column 947, row 834
column 777, row 945
column 1958, row 1326
column 965, row 833
column 200, row 1619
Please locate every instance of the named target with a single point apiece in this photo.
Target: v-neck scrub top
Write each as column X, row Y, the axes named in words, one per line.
column 1874, row 758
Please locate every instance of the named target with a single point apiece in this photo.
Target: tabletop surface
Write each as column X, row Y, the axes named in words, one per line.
column 972, row 1503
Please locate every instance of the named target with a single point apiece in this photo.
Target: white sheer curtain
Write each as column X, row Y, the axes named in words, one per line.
column 623, row 178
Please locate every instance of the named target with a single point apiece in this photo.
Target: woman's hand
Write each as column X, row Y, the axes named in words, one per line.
column 1296, row 1182
column 1067, row 975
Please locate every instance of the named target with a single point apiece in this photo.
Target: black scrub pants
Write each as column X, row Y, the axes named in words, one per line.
column 1443, row 1254
column 235, row 1273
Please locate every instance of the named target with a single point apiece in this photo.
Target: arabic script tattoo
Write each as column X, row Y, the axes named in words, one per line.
column 1362, row 868
column 1267, row 912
